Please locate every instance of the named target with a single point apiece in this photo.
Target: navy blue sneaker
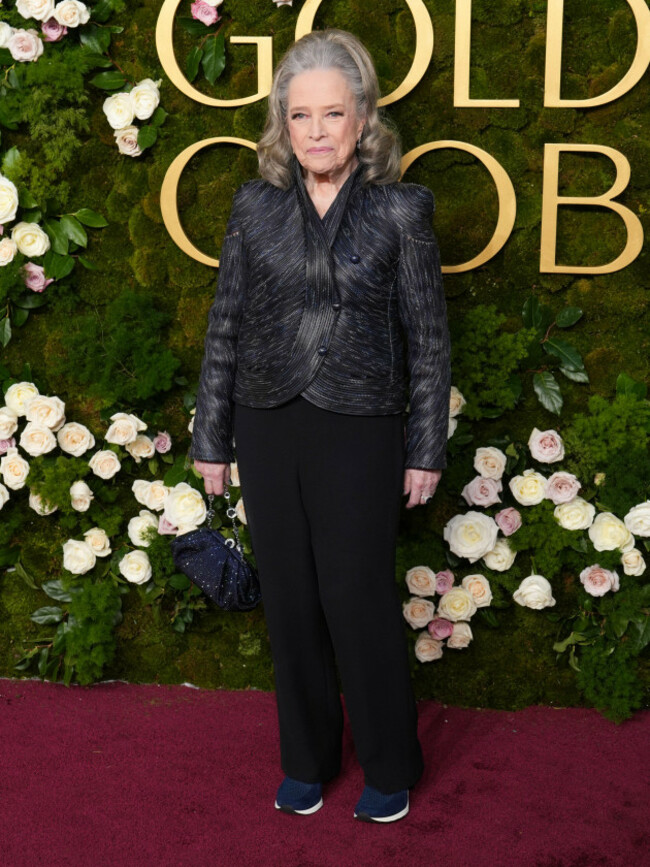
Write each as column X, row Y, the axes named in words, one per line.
column 374, row 806
column 296, row 797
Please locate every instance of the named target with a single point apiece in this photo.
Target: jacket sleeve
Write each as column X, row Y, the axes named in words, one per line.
column 212, row 435
column 423, row 313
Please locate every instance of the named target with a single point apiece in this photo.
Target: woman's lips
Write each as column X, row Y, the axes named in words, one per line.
column 318, row 150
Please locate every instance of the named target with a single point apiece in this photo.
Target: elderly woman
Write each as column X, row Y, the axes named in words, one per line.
column 329, row 267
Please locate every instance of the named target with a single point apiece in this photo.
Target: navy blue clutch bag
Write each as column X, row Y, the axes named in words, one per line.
column 217, row 564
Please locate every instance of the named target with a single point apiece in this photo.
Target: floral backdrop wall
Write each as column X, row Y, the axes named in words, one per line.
column 524, row 580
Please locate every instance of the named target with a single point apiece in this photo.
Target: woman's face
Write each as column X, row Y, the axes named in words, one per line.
column 322, row 120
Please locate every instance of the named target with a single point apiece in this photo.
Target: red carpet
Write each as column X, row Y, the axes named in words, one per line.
column 114, row 775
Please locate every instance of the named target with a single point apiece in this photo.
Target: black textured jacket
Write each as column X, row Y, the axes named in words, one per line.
column 321, row 307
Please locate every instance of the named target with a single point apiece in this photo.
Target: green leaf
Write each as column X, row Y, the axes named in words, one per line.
column 57, row 266
column 568, row 316
column 153, row 466
column 5, row 331
column 31, row 300
column 33, row 215
column 102, row 11
column 194, row 27
column 57, row 235
column 9, row 117
column 95, row 38
column 113, row 79
column 193, row 62
column 568, row 355
column 214, row 57
column 25, row 199
column 515, row 385
column 147, row 135
column 536, row 315
column 179, row 582
column 87, row 263
column 55, row 590
column 11, row 160
column 574, row 638
column 47, row 614
column 176, row 474
column 158, row 117
column 639, row 636
column 74, row 230
column 626, row 385
column 91, row 218
column 27, row 578
column 20, row 316
column 548, row 391
column 575, row 375
column 93, row 60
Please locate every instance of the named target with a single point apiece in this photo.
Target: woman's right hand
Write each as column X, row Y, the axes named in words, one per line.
column 215, row 476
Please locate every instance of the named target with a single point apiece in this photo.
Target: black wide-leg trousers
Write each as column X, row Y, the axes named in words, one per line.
column 322, row 495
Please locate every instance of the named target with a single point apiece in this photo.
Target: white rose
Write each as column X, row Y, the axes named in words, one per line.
column 25, row 46
column 118, row 109
column 141, row 447
column 534, row 592
column 546, row 446
column 71, row 13
column 127, row 141
column 78, row 557
column 154, row 495
column 140, row 488
column 49, row 411
column 190, row 426
column 145, row 97
column 240, row 511
column 4, row 495
column 81, row 496
column 478, row 588
column 637, row 519
column 461, row 635
column 608, row 532
column 489, row 462
column 471, row 535
column 105, row 464
column 457, row 604
column 30, row 239
column 214, row 3
column 37, row 439
column 421, row 581
column 456, row 401
column 75, row 438
column 501, row 557
column 8, row 423
column 38, row 504
column 14, row 469
column 427, row 648
column 633, row 562
column 184, row 506
column 8, row 193
column 528, row 489
column 6, row 32
column 575, row 515
column 124, row 429
column 18, row 396
column 39, row 9
column 98, row 541
column 234, row 475
column 418, row 612
column 8, row 250
column 135, row 567
column 139, row 524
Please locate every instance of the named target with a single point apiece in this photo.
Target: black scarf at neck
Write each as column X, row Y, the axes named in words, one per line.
column 320, row 233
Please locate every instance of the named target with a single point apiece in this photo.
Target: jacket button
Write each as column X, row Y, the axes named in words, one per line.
column 355, row 258
column 336, row 306
column 322, row 350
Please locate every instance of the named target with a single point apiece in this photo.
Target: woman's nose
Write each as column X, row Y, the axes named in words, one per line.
column 316, row 127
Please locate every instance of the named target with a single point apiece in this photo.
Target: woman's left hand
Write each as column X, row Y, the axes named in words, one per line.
column 420, row 484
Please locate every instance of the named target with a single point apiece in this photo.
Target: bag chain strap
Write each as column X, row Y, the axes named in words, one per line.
column 230, row 512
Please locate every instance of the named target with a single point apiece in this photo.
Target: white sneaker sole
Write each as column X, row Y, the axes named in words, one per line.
column 367, row 818
column 307, row 812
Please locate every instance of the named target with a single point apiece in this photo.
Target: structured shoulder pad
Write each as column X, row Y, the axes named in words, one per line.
column 415, row 205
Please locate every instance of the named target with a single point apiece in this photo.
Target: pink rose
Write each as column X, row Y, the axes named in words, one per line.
column 34, row 277
column 597, row 580
column 25, row 45
column 202, row 11
column 546, row 446
column 5, row 445
column 165, row 527
column 444, row 581
column 440, row 628
column 561, row 487
column 163, row 442
column 482, row 492
column 508, row 520
column 53, row 31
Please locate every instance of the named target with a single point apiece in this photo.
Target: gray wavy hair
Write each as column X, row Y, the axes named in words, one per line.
column 380, row 149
